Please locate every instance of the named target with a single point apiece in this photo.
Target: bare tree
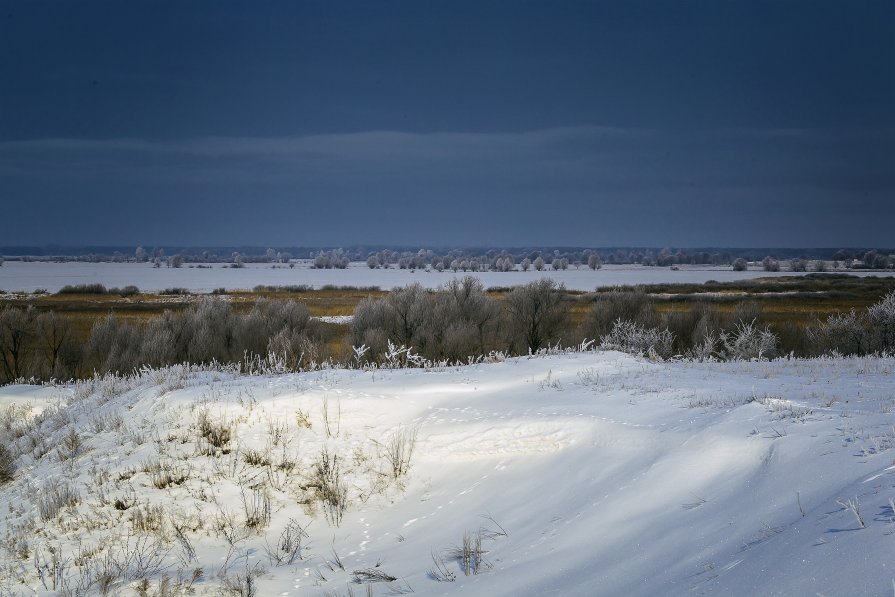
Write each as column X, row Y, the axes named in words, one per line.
column 467, row 314
column 17, row 330
column 55, row 335
column 537, row 312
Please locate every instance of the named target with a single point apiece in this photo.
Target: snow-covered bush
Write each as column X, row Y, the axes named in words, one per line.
column 843, row 333
column 881, row 320
column 747, row 342
column 7, row 464
column 629, row 337
column 705, row 349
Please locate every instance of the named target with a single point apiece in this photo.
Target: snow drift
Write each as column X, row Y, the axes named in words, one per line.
column 583, row 473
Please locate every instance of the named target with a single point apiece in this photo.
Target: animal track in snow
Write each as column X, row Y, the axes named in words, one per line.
column 504, row 438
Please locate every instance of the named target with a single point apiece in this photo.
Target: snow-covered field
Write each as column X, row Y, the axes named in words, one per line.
column 30, row 276
column 580, row 474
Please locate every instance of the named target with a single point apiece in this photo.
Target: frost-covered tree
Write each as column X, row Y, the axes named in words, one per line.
column 372, row 262
column 321, row 261
column 594, row 262
column 538, row 264
column 113, row 346
column 140, row 254
column 881, row 319
column 526, row 264
column 798, row 265
column 740, row 265
column 770, row 264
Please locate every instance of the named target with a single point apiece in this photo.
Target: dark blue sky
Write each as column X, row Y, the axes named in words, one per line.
column 732, row 123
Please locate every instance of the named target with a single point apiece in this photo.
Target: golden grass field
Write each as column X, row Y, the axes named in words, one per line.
column 796, row 301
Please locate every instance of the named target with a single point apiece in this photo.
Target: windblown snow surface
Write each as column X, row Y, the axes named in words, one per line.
column 592, row 473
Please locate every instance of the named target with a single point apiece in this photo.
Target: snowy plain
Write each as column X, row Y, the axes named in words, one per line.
column 588, row 473
column 29, row 276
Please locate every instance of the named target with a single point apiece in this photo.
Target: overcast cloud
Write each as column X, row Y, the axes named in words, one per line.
column 641, row 123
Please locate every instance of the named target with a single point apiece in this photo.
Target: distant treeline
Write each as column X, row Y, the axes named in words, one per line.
column 451, row 324
column 466, row 259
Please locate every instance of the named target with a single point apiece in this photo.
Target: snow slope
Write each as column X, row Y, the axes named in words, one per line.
column 589, row 473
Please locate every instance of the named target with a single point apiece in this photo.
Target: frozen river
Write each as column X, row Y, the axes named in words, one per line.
column 30, row 276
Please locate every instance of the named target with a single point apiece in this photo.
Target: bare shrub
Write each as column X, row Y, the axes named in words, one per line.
column 330, row 485
column 440, row 571
column 609, row 307
column 134, row 559
column 371, row 575
column 853, row 506
column 165, row 474
column 257, row 508
column 225, row 524
column 7, row 464
column 470, row 554
column 399, row 450
column 289, row 545
column 53, row 497
column 243, row 584
column 106, row 422
column 71, row 445
column 256, row 457
column 215, row 433
column 744, row 312
column 148, row 518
